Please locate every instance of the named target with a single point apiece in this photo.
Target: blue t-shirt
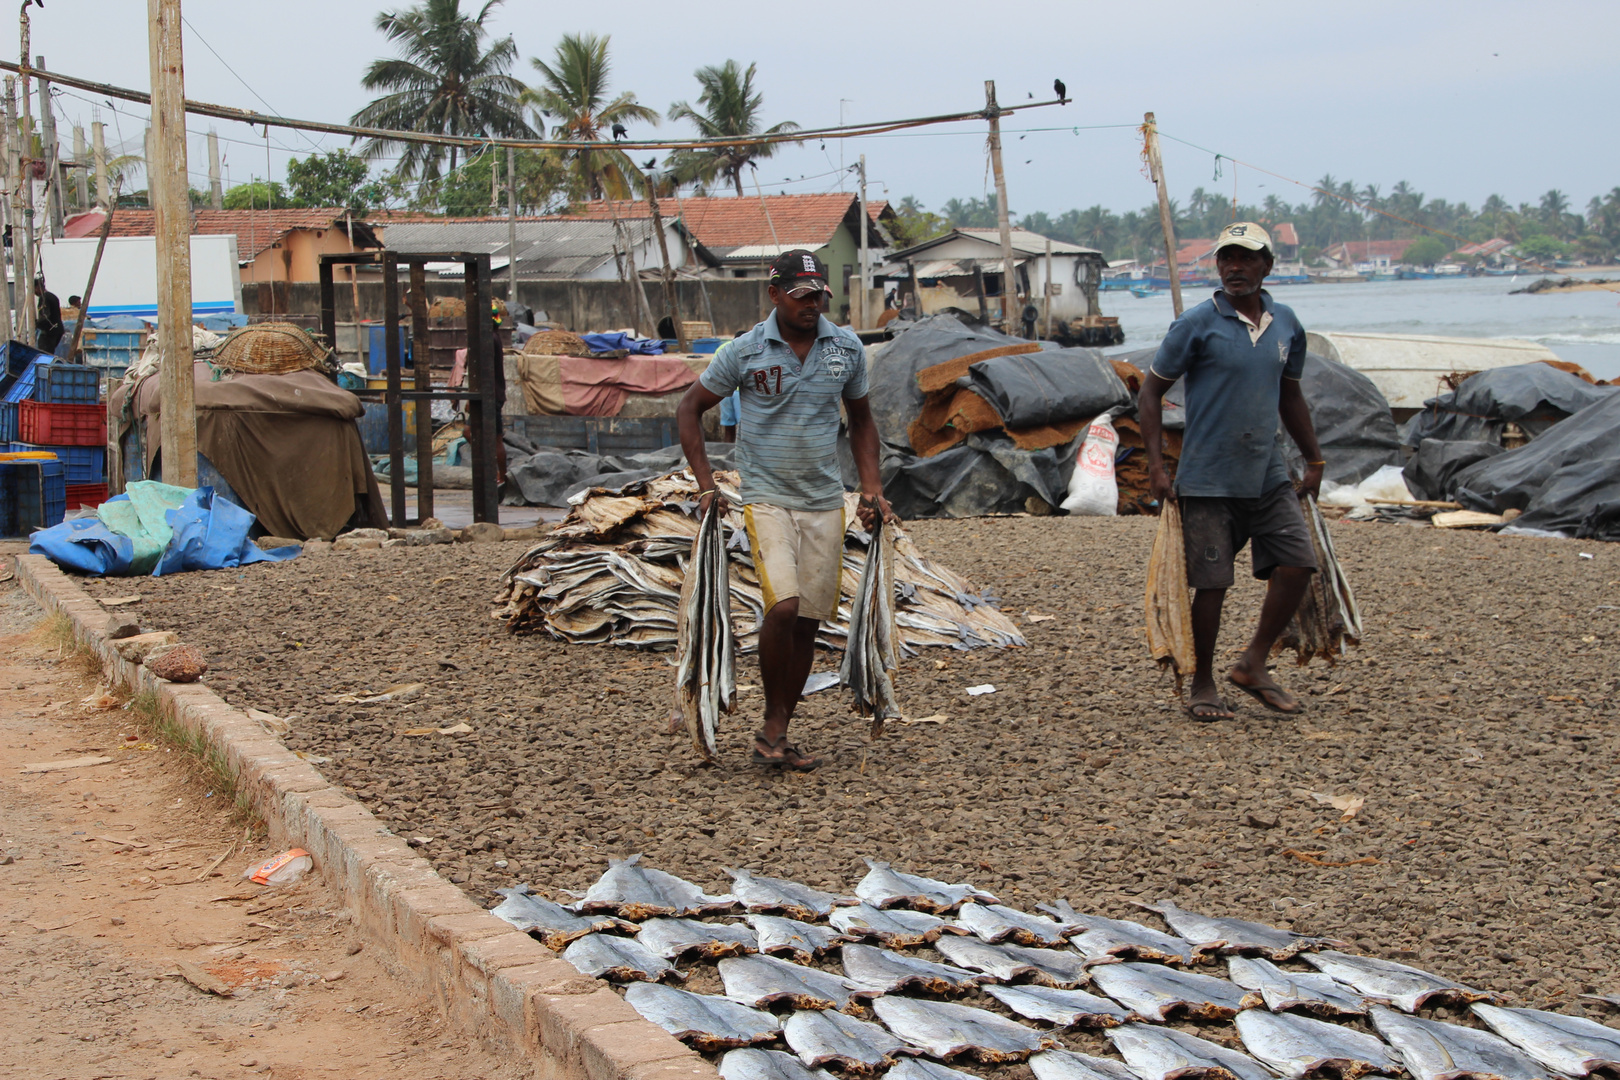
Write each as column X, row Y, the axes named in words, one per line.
column 729, row 407
column 787, row 448
column 1232, row 446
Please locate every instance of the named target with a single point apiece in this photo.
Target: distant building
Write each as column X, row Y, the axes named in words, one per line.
column 1367, row 254
column 550, row 247
column 1487, row 251
column 950, row 267
column 1285, row 239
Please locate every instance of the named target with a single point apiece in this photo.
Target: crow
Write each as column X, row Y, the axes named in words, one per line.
column 620, row 132
column 650, row 163
column 1062, row 91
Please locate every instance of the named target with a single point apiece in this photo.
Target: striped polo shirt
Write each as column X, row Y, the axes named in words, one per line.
column 787, row 448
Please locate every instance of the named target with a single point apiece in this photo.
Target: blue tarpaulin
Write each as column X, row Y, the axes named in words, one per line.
column 609, row 342
column 155, row 528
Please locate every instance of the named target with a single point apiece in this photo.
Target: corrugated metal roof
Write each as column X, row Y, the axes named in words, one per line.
column 1025, row 242
column 548, row 248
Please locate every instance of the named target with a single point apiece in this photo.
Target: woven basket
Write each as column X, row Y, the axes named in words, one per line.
column 448, row 307
column 556, row 343
column 270, row 349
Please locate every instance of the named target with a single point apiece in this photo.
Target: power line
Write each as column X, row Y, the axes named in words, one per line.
column 239, row 78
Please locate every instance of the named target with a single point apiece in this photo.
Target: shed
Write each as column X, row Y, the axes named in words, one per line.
column 550, row 247
column 946, row 268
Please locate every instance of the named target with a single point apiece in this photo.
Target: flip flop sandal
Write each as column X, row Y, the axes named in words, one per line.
column 791, row 757
column 1259, row 694
column 1224, row 713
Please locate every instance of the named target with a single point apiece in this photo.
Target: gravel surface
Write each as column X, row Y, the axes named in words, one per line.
column 1478, row 722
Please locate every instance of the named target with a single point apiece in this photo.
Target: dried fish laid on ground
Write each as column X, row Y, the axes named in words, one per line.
column 1235, row 935
column 1282, row 990
column 1300, row 1047
column 1328, row 616
column 1062, row 969
column 799, row 941
column 1169, row 601
column 1407, row 988
column 619, row 959
column 1164, row 1053
column 946, row 1030
column 997, row 922
column 916, row 1068
column 1068, row 1065
column 1065, row 1008
column 751, row 1063
column 760, row 981
column 1103, row 939
column 829, row 1038
column 896, row 928
column 674, row 939
column 1156, row 992
column 885, row 887
column 885, row 971
column 767, row 894
column 614, row 569
column 1433, row 1050
column 704, row 1022
column 1572, row 1045
column 706, row 659
column 637, row 892
column 553, row 924
column 871, row 650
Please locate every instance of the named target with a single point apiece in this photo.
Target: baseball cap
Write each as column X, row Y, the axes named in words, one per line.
column 1244, row 234
column 798, row 270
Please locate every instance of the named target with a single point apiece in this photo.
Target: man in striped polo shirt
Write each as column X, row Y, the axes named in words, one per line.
column 793, row 370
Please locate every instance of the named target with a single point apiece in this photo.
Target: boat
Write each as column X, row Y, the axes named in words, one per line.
column 1335, row 277
column 1142, row 292
column 1287, row 279
column 1408, row 273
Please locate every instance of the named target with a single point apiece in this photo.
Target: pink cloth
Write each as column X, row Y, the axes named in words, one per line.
column 598, row 387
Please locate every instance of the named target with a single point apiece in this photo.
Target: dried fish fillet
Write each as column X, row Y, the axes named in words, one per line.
column 754, row 1064
column 1568, row 1044
column 768, row 894
column 1432, row 1050
column 1235, row 935
column 619, row 959
column 1328, row 616
column 829, row 1038
column 1308, row 990
column 997, row 922
column 1058, row 968
column 897, row 927
column 553, row 924
column 1298, row 1046
column 883, row 971
column 916, row 1068
column 703, row 1022
column 1068, row 1065
column 1065, row 1008
column 635, row 892
column 675, row 938
column 1103, row 938
column 871, row 651
column 1407, row 988
column 758, row 981
column 945, row 1030
column 799, row 941
column 1163, row 1053
column 706, row 664
column 1169, row 601
column 1156, row 992
column 885, row 887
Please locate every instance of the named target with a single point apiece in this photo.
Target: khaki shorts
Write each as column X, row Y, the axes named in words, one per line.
column 798, row 553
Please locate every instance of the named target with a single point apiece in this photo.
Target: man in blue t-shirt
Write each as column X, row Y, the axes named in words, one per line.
column 1241, row 355
column 793, row 370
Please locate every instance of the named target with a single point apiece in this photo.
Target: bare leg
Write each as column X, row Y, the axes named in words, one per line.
column 1205, row 699
column 787, row 647
column 1283, row 596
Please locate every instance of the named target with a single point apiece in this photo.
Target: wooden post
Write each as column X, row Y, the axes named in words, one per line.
column 1150, row 131
column 670, row 301
column 978, row 288
column 98, row 140
column 89, row 289
column 8, row 134
column 483, row 413
column 81, row 174
column 396, row 412
column 53, row 153
column 511, row 232
column 864, row 323
column 494, row 181
column 1046, row 287
column 916, row 289
column 638, row 296
column 216, row 191
column 423, row 371
column 22, row 213
column 172, row 220
column 992, row 112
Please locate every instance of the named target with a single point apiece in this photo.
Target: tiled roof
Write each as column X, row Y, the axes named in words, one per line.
column 729, row 222
column 1285, row 234
column 1362, row 250
column 254, row 229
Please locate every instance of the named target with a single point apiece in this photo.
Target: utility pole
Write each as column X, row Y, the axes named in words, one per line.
column 216, row 190
column 1150, row 132
column 81, row 174
column 21, row 214
column 169, row 195
column 992, row 112
column 864, row 323
column 494, row 181
column 98, row 140
column 511, row 230
column 8, row 133
column 53, row 152
column 25, row 177
column 670, row 300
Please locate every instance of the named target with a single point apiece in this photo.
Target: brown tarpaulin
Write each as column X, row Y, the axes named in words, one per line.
column 287, row 445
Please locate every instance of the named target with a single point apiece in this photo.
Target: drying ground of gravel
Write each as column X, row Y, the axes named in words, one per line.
column 1477, row 720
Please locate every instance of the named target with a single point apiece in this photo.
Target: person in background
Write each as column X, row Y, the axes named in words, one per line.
column 729, row 409
column 75, row 302
column 48, row 321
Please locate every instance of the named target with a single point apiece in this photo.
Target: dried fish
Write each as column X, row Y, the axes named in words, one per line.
column 885, row 972
column 754, row 1064
column 799, row 941
column 1308, row 990
column 1068, row 1065
column 768, row 894
column 1568, row 1044
column 916, row 1068
column 823, row 1038
column 553, row 924
column 1328, row 617
column 706, row 667
column 1065, row 1008
column 758, row 981
column 885, row 887
column 619, row 959
column 1235, row 935
column 944, row 1030
column 997, row 922
column 674, row 938
column 635, row 892
column 897, row 927
column 1059, row 968
column 1169, row 601
column 1164, row 1053
column 704, row 1022
column 1432, row 1050
column 1407, row 988
column 1155, row 992
column 1298, row 1046
column 871, row 652
column 1103, row 939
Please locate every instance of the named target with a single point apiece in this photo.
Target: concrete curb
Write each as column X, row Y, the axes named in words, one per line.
column 499, row 984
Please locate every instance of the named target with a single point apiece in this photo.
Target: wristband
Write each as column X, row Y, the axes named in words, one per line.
column 711, row 491
column 1316, row 463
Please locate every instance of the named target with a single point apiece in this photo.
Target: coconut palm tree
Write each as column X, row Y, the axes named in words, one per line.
column 445, row 81
column 574, row 95
column 730, row 108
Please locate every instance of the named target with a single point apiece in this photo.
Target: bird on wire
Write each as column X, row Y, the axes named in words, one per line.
column 620, row 132
column 1062, row 91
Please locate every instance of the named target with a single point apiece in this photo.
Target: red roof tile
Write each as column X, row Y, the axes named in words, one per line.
column 1285, row 234
column 728, row 222
column 255, row 229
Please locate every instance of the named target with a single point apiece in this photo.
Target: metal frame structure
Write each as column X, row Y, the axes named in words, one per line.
column 480, row 398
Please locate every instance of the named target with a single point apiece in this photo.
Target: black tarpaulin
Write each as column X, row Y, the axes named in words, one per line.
column 1048, row 387
column 1534, row 396
column 1430, row 472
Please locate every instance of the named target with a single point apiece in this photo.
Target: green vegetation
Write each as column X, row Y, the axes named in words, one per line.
column 210, row 766
column 1425, row 251
column 730, row 107
column 573, row 93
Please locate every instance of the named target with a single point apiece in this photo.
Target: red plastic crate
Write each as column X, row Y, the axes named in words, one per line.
column 50, row 424
column 85, row 495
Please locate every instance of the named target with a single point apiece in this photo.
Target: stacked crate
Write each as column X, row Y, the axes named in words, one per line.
column 63, row 415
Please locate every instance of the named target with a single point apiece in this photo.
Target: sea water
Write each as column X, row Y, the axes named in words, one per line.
column 1581, row 327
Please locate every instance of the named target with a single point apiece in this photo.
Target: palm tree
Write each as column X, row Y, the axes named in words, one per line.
column 730, row 109
column 444, row 82
column 573, row 93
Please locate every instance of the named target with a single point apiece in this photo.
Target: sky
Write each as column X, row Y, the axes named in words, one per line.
column 1461, row 100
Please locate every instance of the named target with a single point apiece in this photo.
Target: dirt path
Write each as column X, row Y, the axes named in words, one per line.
column 111, row 884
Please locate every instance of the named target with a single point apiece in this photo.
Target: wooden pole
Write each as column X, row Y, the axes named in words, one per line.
column 864, row 323
column 172, row 224
column 81, row 174
column 98, row 140
column 1150, row 131
column 216, row 190
column 21, row 214
column 8, row 135
column 992, row 112
column 53, row 153
column 511, row 231
column 1046, row 287
column 90, row 287
column 638, row 295
column 423, row 372
column 670, row 301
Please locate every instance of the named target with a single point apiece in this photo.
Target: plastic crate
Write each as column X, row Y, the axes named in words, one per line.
column 113, row 350
column 8, row 421
column 68, row 384
column 40, row 489
column 21, row 387
column 45, row 424
column 85, row 464
column 85, row 495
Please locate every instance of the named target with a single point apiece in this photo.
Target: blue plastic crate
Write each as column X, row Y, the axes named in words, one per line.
column 84, row 464
column 113, row 350
column 8, row 421
column 67, row 384
column 23, row 388
column 8, row 500
column 40, row 494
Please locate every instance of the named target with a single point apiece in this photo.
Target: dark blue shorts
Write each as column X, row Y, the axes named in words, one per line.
column 1215, row 530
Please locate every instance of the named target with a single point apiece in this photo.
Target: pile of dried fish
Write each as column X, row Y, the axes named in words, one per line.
column 1169, row 602
column 871, row 656
column 786, row 1011
column 706, row 670
column 1328, row 616
column 614, row 569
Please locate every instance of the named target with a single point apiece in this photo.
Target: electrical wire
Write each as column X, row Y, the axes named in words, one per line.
column 195, row 33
